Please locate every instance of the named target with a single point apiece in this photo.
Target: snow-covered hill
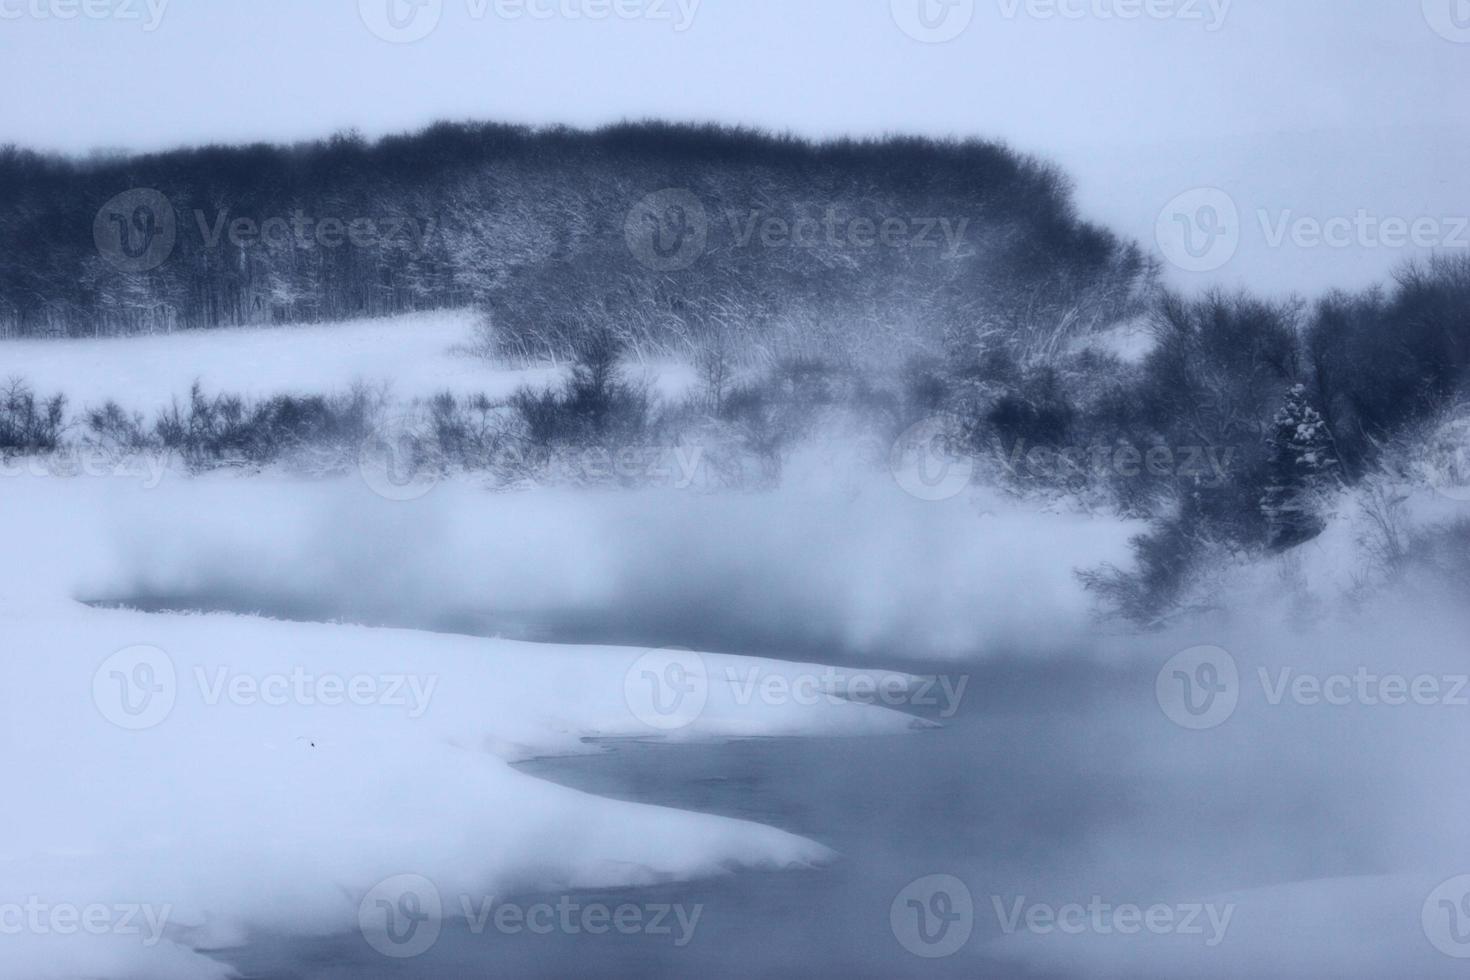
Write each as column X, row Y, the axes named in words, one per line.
column 266, row 776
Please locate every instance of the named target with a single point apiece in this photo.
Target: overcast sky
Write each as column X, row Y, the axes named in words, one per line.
column 1355, row 110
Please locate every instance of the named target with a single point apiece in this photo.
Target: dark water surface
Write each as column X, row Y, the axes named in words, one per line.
column 1053, row 783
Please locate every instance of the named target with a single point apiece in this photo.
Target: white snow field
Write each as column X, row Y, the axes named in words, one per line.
column 231, row 806
column 417, row 355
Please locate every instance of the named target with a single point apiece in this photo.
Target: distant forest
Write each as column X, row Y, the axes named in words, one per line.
column 759, row 244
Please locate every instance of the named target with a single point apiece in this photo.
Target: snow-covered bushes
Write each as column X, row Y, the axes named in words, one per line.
column 29, row 424
column 595, row 406
column 226, row 430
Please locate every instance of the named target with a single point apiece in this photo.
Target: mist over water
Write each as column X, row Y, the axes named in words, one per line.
column 794, row 572
column 1064, row 775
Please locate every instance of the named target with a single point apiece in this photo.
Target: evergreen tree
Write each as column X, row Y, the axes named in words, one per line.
column 1302, row 463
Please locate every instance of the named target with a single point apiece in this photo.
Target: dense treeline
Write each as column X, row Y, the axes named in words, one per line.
column 1287, row 403
column 764, row 245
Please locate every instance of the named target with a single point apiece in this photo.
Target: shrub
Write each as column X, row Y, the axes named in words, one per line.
column 1038, row 413
column 595, row 406
column 225, row 430
column 113, row 431
column 468, row 433
column 27, row 424
column 1169, row 559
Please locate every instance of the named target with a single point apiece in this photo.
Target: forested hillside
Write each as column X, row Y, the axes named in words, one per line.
column 666, row 233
